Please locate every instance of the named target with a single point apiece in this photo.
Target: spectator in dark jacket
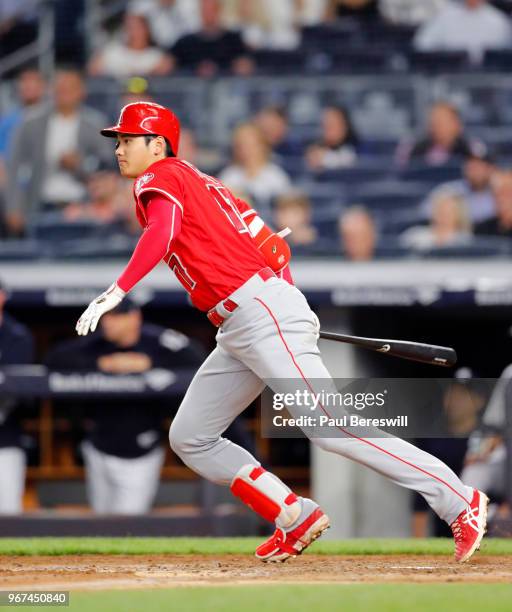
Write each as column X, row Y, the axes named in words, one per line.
column 501, row 223
column 213, row 48
column 337, row 145
column 444, row 141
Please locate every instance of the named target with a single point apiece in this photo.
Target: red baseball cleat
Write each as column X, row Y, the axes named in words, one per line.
column 284, row 544
column 470, row 526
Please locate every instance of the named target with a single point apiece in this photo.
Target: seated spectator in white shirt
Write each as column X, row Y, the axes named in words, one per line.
column 252, row 171
column 168, row 20
column 265, row 24
column 133, row 54
column 474, row 187
column 450, row 225
column 358, row 234
column 410, row 12
column 337, row 146
column 53, row 150
column 469, row 25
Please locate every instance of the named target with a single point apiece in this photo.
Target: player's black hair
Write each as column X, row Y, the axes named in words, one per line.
column 168, row 149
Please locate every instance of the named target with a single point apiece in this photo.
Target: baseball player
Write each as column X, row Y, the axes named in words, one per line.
column 235, row 269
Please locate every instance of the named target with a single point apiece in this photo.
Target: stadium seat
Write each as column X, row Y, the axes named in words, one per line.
column 329, row 38
column 279, row 62
column 21, row 250
column 431, row 174
column 360, row 61
column 361, row 173
column 390, row 194
column 439, row 61
column 478, row 247
column 498, row 59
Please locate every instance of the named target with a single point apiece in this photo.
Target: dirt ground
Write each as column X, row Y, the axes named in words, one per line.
column 85, row 572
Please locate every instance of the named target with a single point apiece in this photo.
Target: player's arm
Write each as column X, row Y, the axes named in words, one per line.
column 164, row 224
column 272, row 245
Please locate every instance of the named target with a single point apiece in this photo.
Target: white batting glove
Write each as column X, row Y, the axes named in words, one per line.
column 108, row 300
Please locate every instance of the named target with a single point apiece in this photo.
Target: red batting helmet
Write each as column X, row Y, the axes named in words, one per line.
column 147, row 118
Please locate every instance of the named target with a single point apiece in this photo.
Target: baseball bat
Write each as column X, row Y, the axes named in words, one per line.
column 443, row 356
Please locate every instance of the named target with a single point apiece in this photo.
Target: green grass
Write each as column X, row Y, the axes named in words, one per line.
column 215, row 546
column 296, row 598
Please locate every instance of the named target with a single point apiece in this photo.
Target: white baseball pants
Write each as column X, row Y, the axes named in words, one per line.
column 272, row 336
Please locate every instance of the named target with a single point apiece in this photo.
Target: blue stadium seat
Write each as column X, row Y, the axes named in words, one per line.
column 498, row 59
column 431, row 174
column 439, row 61
column 21, row 250
column 361, row 173
column 390, row 194
column 52, row 228
column 293, row 165
column 360, row 61
column 279, row 62
column 478, row 247
column 329, row 38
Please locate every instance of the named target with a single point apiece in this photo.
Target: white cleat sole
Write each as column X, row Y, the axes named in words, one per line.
column 482, row 511
column 312, row 534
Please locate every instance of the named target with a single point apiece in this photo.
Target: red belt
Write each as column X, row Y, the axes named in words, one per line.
column 216, row 319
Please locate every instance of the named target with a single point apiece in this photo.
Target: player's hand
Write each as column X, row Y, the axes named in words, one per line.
column 108, row 300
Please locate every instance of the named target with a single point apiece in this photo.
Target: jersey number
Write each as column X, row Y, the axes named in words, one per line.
column 174, row 262
column 228, row 207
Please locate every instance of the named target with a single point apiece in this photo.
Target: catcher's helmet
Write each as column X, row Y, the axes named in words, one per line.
column 147, row 118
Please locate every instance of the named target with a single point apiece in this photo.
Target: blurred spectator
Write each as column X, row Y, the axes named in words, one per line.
column 273, row 24
column 123, row 449
column 273, row 122
column 312, row 12
column 501, row 223
column 30, row 90
column 463, row 400
column 444, row 142
column 450, row 225
column 337, row 147
column 358, row 234
column 105, row 203
column 168, row 20
column 293, row 210
column 18, row 24
column 360, row 9
column 133, row 54
column 470, row 25
column 53, row 151
column 213, row 48
column 475, row 185
column 208, row 160
column 410, row 12
column 265, row 24
column 252, row 171
column 16, row 348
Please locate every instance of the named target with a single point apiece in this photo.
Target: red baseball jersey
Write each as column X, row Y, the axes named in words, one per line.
column 213, row 254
